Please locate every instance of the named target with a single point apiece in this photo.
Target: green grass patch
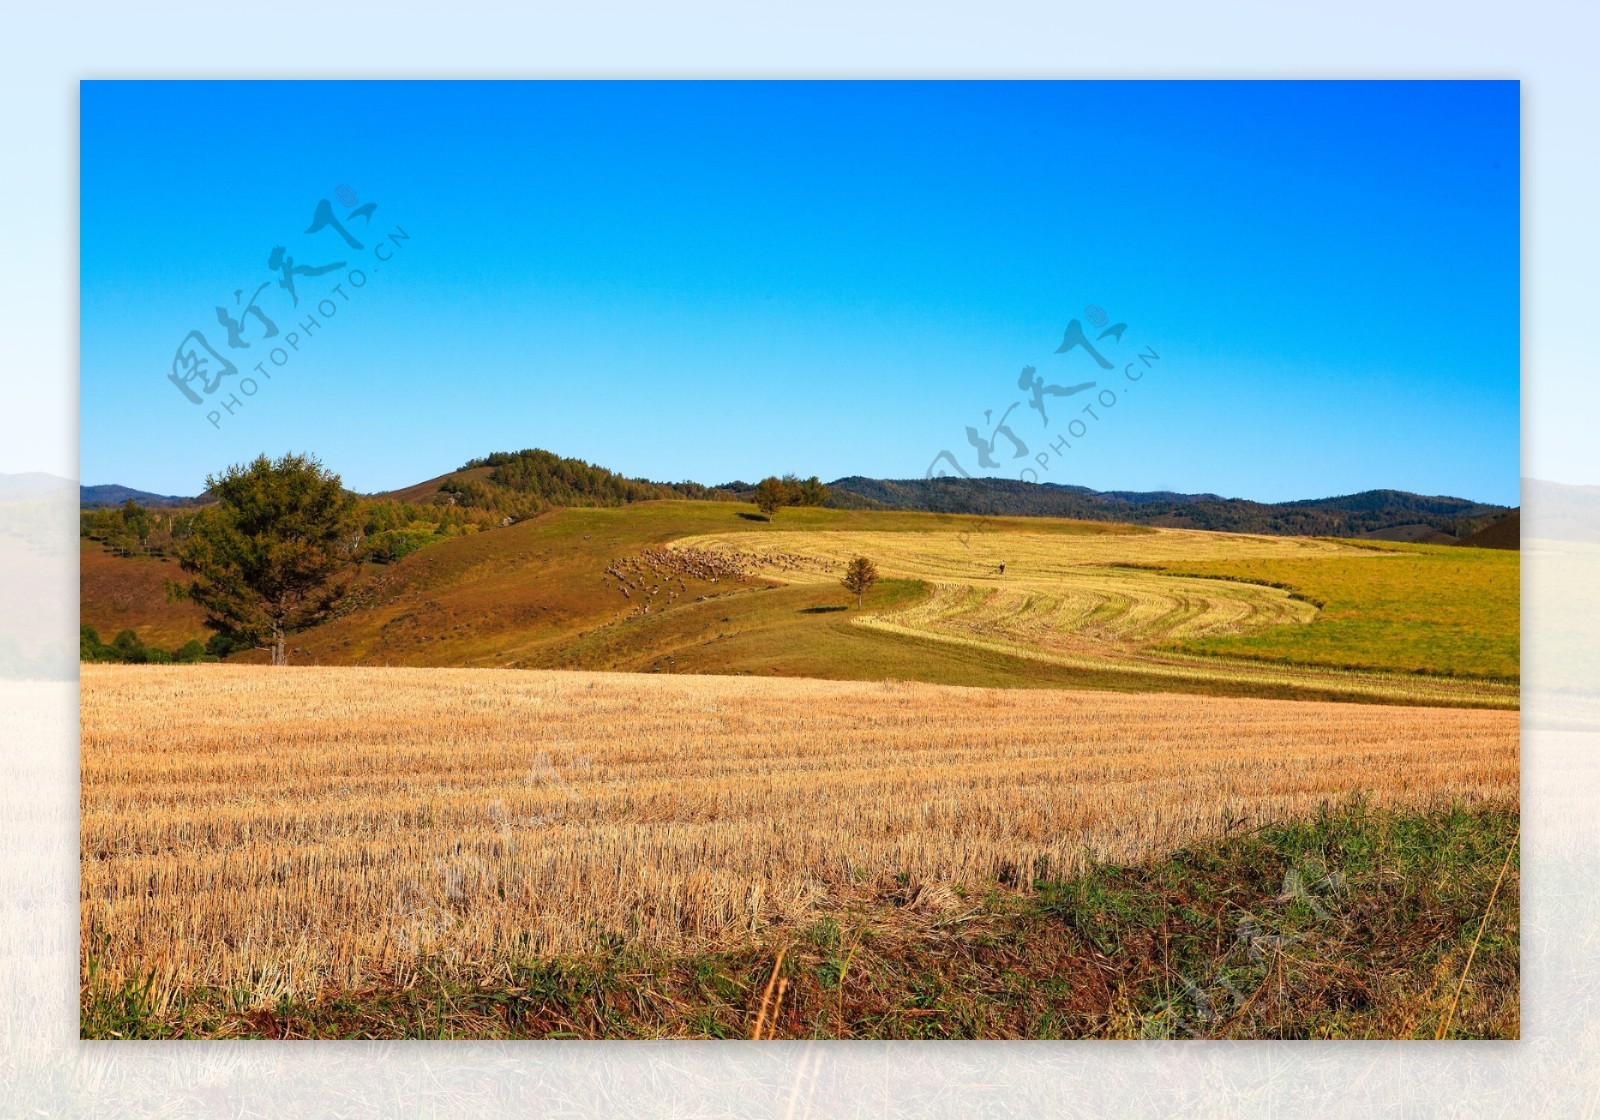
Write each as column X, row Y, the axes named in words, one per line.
column 1394, row 607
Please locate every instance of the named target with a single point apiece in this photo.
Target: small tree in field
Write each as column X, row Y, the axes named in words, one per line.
column 859, row 578
column 266, row 557
column 770, row 494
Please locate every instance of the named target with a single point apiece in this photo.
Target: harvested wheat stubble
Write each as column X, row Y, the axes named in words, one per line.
column 293, row 830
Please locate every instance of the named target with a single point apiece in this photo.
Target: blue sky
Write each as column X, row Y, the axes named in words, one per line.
column 717, row 281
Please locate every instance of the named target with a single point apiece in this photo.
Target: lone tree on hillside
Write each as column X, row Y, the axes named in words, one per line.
column 770, row 494
column 266, row 557
column 859, row 578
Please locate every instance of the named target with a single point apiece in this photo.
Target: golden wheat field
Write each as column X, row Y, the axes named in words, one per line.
column 285, row 831
column 1093, row 600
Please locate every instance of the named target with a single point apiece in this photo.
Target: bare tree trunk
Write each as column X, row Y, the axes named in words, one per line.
column 280, row 656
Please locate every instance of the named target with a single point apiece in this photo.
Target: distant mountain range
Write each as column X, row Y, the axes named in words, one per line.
column 1558, row 512
column 524, row 482
column 110, row 494
column 1380, row 514
column 33, row 485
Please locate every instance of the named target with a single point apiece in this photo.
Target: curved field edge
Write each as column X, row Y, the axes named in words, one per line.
column 1397, row 623
column 1350, row 923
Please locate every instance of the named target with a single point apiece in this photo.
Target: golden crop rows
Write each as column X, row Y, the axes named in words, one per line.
column 1078, row 600
column 291, row 830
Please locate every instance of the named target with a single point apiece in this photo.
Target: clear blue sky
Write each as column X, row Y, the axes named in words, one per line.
column 718, row 281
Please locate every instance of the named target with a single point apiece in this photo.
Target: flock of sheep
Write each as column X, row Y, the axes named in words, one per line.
column 660, row 575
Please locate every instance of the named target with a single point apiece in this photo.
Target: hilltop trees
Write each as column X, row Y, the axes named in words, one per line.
column 859, row 578
column 266, row 557
column 806, row 491
column 523, row 483
column 772, row 493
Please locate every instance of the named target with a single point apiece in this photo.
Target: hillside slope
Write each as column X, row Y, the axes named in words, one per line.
column 1504, row 533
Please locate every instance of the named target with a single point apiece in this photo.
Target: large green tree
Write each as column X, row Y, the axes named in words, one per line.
column 268, row 556
column 771, row 493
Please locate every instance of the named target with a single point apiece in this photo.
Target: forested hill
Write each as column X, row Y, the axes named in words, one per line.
column 520, row 483
column 1394, row 514
column 110, row 494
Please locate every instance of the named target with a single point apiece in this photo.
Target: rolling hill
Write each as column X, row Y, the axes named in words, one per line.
column 112, row 494
column 1504, row 532
column 708, row 587
column 556, row 563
